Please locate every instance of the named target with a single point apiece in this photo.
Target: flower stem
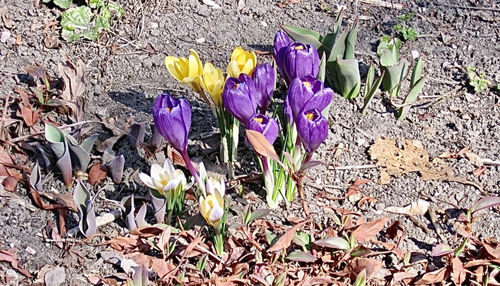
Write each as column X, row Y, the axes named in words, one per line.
column 191, row 168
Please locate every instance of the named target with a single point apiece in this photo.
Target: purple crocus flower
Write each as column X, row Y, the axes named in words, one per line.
column 172, row 117
column 265, row 125
column 281, row 43
column 312, row 128
column 239, row 97
column 308, row 93
column 264, row 79
column 300, row 61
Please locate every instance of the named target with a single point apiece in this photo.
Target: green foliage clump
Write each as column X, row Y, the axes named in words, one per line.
column 478, row 82
column 405, row 31
column 86, row 21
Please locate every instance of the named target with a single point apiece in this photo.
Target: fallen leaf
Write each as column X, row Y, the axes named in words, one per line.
column 366, row 231
column 459, row 273
column 97, row 173
column 286, row 239
column 479, row 171
column 371, row 266
column 411, row 158
column 12, row 259
column 394, row 230
column 474, row 159
column 262, row 146
column 434, row 277
column 419, row 207
column 29, row 116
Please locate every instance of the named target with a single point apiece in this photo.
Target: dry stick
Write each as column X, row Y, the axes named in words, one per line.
column 473, row 8
column 100, row 221
column 356, row 167
column 321, row 186
column 4, row 113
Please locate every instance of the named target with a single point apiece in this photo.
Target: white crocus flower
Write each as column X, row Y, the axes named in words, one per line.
column 212, row 206
column 164, row 179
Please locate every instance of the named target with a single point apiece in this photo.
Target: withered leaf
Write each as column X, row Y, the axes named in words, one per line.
column 262, row 146
column 459, row 273
column 12, row 259
column 366, row 231
column 286, row 239
column 97, row 173
column 434, row 277
column 419, row 207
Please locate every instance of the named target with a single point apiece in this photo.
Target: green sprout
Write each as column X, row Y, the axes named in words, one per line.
column 478, row 82
column 405, row 31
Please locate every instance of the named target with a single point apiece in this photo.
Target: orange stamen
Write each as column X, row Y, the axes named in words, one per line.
column 258, row 119
column 310, row 115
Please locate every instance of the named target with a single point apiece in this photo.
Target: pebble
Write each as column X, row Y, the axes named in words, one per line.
column 153, row 25
column 30, row 250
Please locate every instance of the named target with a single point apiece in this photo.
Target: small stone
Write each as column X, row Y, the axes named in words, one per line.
column 55, row 277
column 4, row 36
column 200, row 40
column 153, row 25
column 11, row 276
column 30, row 250
column 263, row 23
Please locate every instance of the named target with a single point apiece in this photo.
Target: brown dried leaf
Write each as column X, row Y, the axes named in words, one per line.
column 474, row 159
column 286, row 239
column 12, row 259
column 366, row 231
column 459, row 273
column 434, row 277
column 411, row 158
column 97, row 174
column 29, row 116
column 262, row 146
column 359, row 264
column 419, row 207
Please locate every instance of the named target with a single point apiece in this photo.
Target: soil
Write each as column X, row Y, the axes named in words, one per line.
column 125, row 72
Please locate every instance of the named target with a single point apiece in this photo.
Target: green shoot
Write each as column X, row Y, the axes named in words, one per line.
column 478, row 82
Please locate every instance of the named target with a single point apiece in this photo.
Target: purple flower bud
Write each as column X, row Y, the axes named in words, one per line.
column 287, row 110
column 265, row 125
column 239, row 97
column 264, row 79
column 307, row 94
column 312, row 128
column 281, row 42
column 172, row 117
column 300, row 61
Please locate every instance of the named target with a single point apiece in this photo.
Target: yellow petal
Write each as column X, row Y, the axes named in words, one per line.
column 170, row 64
column 195, row 65
column 237, row 52
column 248, row 67
column 233, row 69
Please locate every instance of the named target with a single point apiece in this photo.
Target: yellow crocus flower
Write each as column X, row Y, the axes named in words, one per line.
column 241, row 62
column 186, row 71
column 212, row 81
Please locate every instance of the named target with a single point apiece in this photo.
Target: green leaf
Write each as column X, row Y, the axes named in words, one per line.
column 301, row 256
column 417, row 72
column 346, row 78
column 87, row 221
column 392, row 77
column 338, row 48
column 350, row 44
column 258, row 214
column 76, row 18
column 271, row 237
column 372, row 90
column 64, row 4
column 115, row 8
column 370, row 77
column 302, row 238
column 96, row 3
column 304, row 36
column 360, row 279
column 334, row 242
column 322, row 68
column 406, row 17
column 411, row 98
column 53, row 134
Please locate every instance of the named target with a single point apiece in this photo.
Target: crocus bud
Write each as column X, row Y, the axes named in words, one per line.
column 312, row 128
column 265, row 125
column 187, row 71
column 241, row 62
column 239, row 97
column 172, row 117
column 264, row 79
column 212, row 205
column 212, row 81
column 307, row 94
column 300, row 61
column 281, row 42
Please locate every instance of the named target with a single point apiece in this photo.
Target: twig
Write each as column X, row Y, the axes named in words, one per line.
column 355, row 167
column 490, row 162
column 419, row 224
column 21, row 138
column 382, row 3
column 209, row 253
column 473, row 8
column 435, row 224
column 321, row 186
column 100, row 221
column 4, row 112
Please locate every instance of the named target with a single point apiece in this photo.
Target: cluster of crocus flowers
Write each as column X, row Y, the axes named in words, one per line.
column 168, row 186
column 207, row 79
